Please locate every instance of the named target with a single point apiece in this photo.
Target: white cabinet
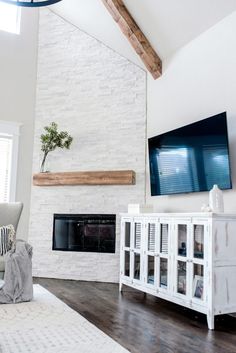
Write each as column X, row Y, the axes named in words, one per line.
column 189, row 259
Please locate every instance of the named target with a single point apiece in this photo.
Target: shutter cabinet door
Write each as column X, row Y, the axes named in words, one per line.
column 137, row 234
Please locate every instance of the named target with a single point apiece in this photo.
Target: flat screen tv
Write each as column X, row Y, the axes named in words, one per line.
column 190, row 159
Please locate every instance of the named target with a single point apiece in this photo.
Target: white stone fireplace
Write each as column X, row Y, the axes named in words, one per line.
column 99, row 97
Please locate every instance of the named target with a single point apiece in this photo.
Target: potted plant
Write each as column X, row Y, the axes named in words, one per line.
column 53, row 139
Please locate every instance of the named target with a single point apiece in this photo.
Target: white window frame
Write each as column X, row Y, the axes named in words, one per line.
column 12, row 129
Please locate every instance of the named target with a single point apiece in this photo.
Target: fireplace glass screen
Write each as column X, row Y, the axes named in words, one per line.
column 88, row 233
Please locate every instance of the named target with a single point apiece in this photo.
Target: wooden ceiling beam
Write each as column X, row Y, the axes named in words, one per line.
column 135, row 36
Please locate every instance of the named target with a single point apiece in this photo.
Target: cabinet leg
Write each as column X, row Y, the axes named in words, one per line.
column 211, row 321
column 120, row 287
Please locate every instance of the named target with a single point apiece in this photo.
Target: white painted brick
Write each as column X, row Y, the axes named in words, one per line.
column 100, row 98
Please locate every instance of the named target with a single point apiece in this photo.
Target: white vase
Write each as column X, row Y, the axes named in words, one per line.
column 216, row 201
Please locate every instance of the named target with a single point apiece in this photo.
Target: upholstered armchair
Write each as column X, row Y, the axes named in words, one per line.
column 9, row 214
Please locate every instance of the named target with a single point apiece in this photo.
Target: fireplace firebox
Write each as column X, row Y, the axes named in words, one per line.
column 84, row 232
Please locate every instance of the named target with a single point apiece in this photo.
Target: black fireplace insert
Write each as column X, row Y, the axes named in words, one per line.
column 84, row 232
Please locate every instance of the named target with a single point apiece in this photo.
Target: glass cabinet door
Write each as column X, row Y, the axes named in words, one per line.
column 182, row 277
column 136, row 255
column 127, row 234
column 127, row 263
column 164, row 251
column 150, row 253
column 198, row 241
column 198, row 261
column 131, row 249
column 126, row 249
column 181, row 255
column 182, row 240
column 151, row 270
column 198, row 282
column 189, row 260
column 163, row 280
column 137, row 264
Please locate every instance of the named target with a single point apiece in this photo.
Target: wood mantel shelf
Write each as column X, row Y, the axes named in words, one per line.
column 118, row 177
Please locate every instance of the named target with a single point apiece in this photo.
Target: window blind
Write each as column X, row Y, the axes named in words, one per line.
column 216, row 164
column 177, row 179
column 5, row 167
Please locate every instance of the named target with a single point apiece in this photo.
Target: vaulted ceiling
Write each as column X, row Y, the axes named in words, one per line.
column 168, row 24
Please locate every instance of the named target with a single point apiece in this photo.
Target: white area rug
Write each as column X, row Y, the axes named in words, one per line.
column 48, row 325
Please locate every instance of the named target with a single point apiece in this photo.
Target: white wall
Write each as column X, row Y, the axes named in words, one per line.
column 92, row 17
column 18, row 54
column 197, row 82
column 168, row 25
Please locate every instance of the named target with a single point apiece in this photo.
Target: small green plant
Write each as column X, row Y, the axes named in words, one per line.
column 53, row 139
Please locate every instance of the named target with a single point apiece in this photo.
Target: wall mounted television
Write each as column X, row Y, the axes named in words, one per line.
column 190, row 159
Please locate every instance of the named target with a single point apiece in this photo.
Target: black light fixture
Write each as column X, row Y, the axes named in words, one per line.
column 31, row 3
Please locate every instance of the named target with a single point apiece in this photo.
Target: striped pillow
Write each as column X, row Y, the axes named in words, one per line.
column 7, row 238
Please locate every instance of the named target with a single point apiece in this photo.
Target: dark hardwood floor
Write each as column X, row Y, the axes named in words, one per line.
column 144, row 324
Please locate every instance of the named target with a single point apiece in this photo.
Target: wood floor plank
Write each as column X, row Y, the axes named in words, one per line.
column 142, row 323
